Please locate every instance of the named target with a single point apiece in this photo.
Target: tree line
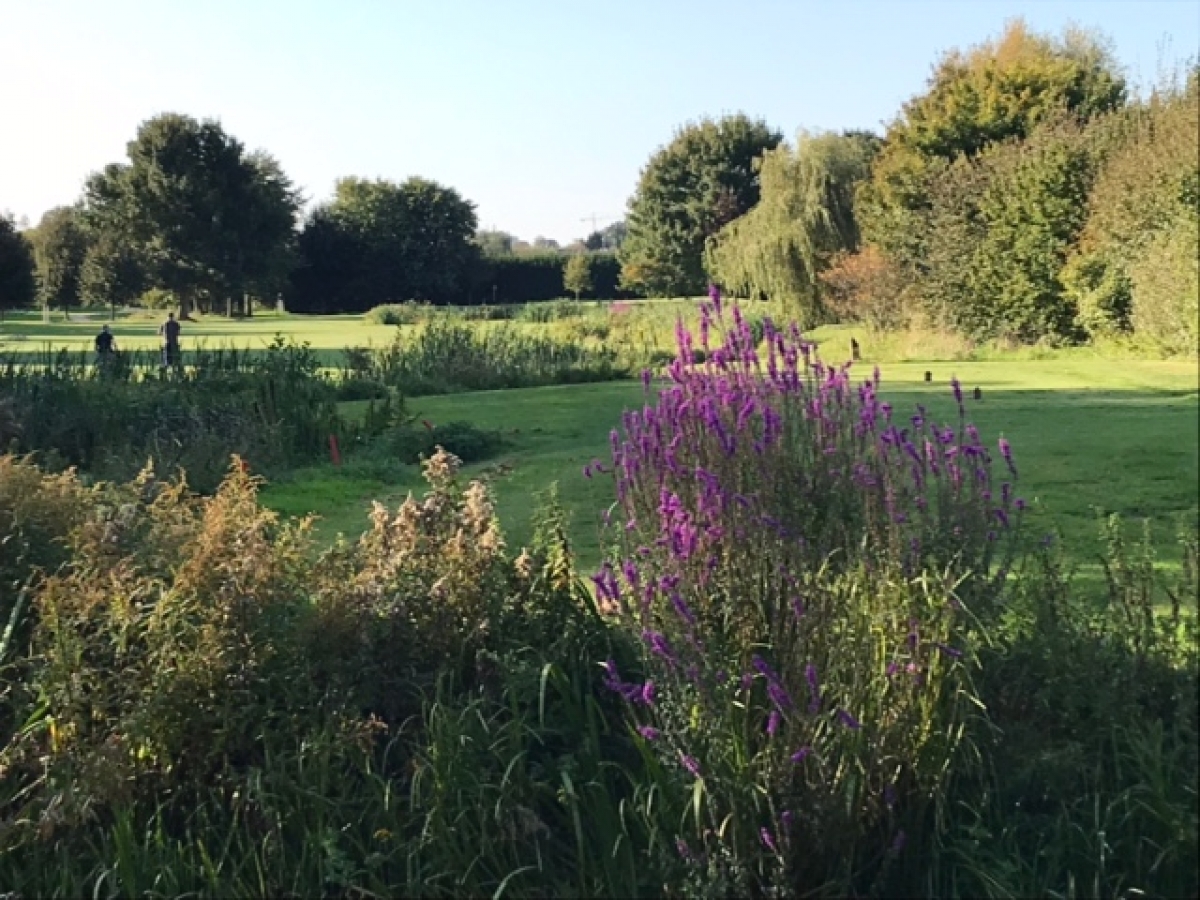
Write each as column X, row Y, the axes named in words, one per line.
column 193, row 220
column 1023, row 195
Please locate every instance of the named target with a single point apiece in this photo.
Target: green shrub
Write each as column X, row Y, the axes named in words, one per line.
column 445, row 356
column 398, row 314
column 1166, row 289
column 410, row 443
column 355, row 388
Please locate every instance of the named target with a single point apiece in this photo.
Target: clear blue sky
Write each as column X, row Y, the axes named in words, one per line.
column 541, row 113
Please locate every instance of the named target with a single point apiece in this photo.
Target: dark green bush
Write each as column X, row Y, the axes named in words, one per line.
column 411, row 443
column 355, row 388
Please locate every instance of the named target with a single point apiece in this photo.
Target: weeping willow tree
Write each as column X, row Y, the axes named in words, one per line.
column 804, row 217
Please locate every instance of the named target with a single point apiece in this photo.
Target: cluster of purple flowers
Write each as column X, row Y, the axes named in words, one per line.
column 743, row 475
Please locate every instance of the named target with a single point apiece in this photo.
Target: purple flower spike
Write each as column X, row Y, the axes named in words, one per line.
column 690, row 763
column 952, row 652
column 773, row 723
column 800, row 755
column 848, row 720
column 1006, row 452
column 957, row 388
column 768, row 840
column 814, row 687
column 648, row 693
column 649, row 732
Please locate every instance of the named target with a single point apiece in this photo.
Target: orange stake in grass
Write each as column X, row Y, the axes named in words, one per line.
column 334, row 453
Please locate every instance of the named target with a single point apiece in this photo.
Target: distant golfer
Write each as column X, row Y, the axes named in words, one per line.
column 106, row 344
column 169, row 332
column 106, row 349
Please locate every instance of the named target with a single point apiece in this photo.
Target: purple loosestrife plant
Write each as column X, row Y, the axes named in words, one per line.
column 754, row 478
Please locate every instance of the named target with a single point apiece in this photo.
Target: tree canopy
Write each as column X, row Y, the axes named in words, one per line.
column 210, row 221
column 703, row 179
column 60, row 243
column 1000, row 90
column 18, row 285
column 805, row 216
column 377, row 242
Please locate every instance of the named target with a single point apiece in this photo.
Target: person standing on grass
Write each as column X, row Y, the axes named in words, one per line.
column 106, row 350
column 106, row 345
column 169, row 332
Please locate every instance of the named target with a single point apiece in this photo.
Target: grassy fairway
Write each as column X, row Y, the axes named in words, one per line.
column 1087, row 434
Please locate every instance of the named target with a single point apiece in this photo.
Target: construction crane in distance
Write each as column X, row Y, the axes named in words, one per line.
column 594, row 218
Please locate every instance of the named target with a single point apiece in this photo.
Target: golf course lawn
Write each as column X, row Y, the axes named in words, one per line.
column 1087, row 435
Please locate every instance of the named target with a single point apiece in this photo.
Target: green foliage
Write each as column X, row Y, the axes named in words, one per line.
column 412, row 442
column 18, row 284
column 157, row 298
column 535, row 277
column 410, row 313
column 60, row 244
column 577, row 274
column 806, row 215
column 444, row 356
column 1165, row 284
column 1090, row 734
column 1100, row 292
column 1138, row 247
column 703, row 179
column 1033, row 209
column 113, row 273
column 380, row 242
column 1001, row 91
column 273, row 408
column 211, row 222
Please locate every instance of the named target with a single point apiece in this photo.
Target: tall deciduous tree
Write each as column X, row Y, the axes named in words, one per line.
column 805, row 216
column 378, row 242
column 212, row 222
column 998, row 91
column 703, row 179
column 60, row 243
column 18, row 286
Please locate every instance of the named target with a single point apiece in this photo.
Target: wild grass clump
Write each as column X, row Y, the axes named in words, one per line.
column 275, row 408
column 445, row 356
column 550, row 311
column 195, row 670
